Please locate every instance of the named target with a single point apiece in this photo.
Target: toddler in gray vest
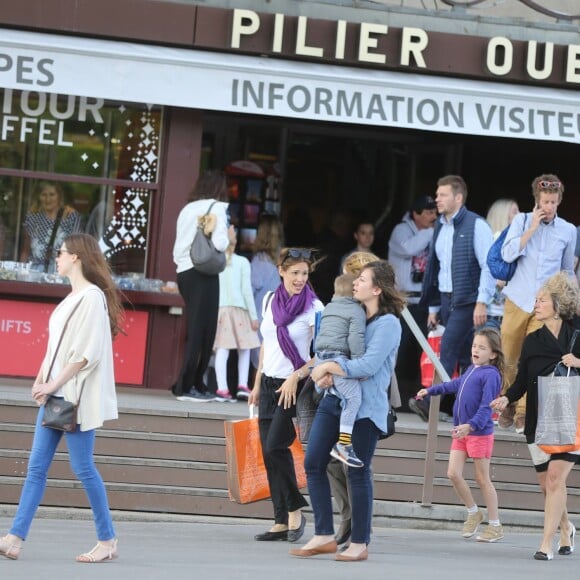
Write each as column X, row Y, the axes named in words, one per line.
column 342, row 333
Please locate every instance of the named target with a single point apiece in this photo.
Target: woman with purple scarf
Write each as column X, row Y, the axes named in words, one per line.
column 287, row 329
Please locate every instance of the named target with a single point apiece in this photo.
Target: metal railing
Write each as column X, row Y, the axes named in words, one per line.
column 431, row 444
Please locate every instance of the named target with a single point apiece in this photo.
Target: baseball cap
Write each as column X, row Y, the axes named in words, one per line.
column 423, row 202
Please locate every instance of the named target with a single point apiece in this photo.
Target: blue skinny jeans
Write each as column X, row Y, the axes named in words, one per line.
column 80, row 446
column 323, row 435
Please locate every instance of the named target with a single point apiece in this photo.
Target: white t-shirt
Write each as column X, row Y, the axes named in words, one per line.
column 275, row 364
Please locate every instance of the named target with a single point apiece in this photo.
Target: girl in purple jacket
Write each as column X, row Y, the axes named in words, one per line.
column 472, row 434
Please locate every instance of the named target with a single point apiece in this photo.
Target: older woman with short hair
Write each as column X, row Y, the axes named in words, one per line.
column 556, row 304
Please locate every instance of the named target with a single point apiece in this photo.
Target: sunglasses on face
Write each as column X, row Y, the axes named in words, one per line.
column 550, row 185
column 59, row 252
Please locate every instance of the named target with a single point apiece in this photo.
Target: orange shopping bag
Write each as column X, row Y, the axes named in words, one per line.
column 247, row 480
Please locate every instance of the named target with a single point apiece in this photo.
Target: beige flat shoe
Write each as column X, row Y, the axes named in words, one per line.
column 100, row 553
column 8, row 549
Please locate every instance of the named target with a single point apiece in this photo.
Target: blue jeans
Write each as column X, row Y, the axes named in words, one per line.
column 458, row 335
column 323, row 436
column 80, row 446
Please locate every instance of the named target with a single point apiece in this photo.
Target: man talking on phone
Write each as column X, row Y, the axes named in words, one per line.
column 543, row 244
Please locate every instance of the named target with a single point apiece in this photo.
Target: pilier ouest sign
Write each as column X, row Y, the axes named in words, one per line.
column 289, row 36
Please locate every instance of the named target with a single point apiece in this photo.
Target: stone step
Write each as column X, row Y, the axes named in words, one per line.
column 164, row 456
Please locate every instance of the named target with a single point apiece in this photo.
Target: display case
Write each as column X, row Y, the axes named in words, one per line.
column 252, row 190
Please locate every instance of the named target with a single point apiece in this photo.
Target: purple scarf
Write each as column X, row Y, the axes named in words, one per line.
column 284, row 310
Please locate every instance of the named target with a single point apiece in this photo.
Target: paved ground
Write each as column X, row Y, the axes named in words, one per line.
column 224, row 550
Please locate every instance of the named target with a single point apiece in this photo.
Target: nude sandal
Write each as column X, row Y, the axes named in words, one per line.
column 107, row 553
column 8, row 549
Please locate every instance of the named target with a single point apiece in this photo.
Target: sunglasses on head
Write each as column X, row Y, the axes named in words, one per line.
column 298, row 253
column 550, row 184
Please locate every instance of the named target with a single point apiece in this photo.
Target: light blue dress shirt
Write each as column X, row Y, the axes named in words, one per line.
column 549, row 251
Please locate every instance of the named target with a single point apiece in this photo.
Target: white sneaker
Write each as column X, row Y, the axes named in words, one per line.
column 224, row 397
column 243, row 392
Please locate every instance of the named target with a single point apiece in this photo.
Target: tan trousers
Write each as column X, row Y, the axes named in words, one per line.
column 515, row 326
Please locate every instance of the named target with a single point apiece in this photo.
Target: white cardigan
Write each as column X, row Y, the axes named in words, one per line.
column 87, row 336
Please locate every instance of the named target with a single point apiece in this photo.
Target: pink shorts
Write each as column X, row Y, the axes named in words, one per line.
column 474, row 446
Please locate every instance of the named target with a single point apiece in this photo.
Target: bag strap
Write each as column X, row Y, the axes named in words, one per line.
column 573, row 340
column 50, row 246
column 60, row 342
column 209, row 208
column 317, row 319
column 268, row 300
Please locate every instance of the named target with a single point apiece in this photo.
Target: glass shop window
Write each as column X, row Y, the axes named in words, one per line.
column 71, row 163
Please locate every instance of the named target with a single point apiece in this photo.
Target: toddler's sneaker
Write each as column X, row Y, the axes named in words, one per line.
column 346, row 454
column 243, row 392
column 224, row 397
column 491, row 534
column 471, row 524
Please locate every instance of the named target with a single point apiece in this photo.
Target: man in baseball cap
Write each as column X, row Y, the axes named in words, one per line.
column 408, row 251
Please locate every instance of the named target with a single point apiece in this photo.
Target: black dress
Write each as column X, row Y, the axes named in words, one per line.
column 540, row 354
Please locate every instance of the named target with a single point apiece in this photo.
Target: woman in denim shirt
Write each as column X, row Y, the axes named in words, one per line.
column 375, row 290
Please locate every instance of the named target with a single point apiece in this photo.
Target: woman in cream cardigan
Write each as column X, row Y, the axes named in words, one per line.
column 84, row 360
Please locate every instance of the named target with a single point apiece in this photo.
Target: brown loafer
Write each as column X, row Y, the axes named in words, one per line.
column 344, row 558
column 328, row 548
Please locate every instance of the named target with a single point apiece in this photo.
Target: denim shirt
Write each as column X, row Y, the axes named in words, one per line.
column 375, row 368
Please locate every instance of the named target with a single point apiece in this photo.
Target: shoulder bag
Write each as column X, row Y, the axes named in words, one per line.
column 499, row 268
column 204, row 255
column 58, row 413
column 558, row 428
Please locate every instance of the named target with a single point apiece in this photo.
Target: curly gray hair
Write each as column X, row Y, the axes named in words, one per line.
column 564, row 294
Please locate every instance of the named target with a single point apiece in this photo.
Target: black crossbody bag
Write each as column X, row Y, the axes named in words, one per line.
column 58, row 413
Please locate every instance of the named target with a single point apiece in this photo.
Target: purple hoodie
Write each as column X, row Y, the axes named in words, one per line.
column 475, row 389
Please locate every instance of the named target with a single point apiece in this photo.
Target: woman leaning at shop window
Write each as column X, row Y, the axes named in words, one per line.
column 46, row 225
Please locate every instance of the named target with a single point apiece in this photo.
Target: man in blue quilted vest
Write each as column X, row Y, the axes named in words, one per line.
column 458, row 285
